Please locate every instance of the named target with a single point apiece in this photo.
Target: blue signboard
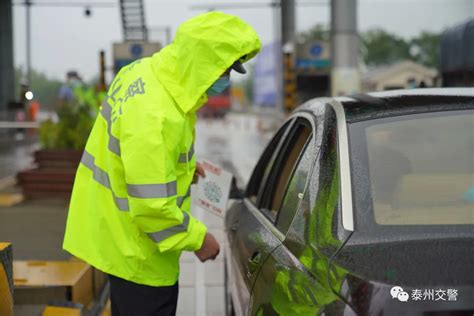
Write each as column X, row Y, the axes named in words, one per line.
column 313, row 56
column 265, row 76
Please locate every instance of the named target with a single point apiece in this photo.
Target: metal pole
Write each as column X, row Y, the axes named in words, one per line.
column 276, row 8
column 7, row 73
column 287, row 21
column 345, row 75
column 288, row 37
column 28, row 41
column 102, row 84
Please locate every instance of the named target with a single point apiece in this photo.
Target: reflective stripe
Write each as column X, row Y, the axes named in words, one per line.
column 189, row 155
column 114, row 143
column 152, row 191
column 102, row 177
column 122, row 203
column 163, row 234
column 180, row 199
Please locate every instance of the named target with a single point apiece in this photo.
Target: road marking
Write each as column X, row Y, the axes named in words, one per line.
column 10, row 199
column 7, row 182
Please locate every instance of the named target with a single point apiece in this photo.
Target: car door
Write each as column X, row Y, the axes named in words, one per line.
column 250, row 240
column 298, row 278
column 273, row 292
column 255, row 233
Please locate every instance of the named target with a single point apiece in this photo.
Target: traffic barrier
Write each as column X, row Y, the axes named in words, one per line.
column 61, row 311
column 40, row 282
column 6, row 280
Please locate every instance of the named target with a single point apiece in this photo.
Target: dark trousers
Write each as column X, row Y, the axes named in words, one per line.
column 131, row 299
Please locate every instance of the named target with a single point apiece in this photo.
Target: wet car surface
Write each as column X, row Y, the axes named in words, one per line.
column 360, row 205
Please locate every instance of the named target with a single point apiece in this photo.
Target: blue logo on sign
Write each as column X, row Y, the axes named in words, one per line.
column 316, row 50
column 136, row 50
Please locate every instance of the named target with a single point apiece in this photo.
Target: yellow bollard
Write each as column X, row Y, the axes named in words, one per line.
column 6, row 298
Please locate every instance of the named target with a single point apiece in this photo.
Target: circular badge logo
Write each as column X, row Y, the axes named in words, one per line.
column 316, row 50
column 212, row 192
column 136, row 50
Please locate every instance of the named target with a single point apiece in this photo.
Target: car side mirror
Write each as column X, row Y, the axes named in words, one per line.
column 235, row 191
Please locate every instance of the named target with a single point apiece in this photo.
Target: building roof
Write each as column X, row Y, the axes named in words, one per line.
column 385, row 72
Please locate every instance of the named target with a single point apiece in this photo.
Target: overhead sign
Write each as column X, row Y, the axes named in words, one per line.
column 313, row 56
column 128, row 52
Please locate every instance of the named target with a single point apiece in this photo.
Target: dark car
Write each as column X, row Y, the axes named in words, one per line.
column 360, row 205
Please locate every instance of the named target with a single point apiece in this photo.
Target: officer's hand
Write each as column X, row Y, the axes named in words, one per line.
column 209, row 249
column 200, row 172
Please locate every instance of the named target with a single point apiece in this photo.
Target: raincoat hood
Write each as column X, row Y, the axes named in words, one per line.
column 204, row 48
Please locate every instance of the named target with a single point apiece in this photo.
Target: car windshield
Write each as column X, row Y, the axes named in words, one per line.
column 420, row 168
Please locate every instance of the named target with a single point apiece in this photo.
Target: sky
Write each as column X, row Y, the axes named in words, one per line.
column 64, row 38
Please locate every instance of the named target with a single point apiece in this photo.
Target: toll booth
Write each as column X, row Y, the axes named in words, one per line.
column 313, row 70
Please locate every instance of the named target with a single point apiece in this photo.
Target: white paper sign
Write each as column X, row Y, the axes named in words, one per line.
column 213, row 191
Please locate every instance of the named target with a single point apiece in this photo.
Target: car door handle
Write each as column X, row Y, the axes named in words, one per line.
column 253, row 263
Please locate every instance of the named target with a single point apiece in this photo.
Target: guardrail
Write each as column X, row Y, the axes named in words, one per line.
column 14, row 125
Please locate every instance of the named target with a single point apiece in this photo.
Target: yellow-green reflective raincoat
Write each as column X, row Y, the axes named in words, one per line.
column 129, row 211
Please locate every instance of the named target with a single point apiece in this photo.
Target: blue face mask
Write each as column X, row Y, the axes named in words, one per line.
column 219, row 86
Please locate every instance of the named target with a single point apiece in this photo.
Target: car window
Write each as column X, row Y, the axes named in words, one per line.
column 275, row 186
column 318, row 212
column 264, row 165
column 421, row 168
column 296, row 187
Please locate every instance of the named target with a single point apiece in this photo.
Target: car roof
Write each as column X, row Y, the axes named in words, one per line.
column 376, row 105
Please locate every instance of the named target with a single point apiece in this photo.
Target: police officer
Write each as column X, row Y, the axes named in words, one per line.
column 129, row 214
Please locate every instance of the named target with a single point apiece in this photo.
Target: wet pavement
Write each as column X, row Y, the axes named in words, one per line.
column 36, row 228
column 235, row 144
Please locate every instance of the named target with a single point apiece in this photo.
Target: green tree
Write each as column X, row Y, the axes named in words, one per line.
column 380, row 47
column 425, row 49
column 316, row 33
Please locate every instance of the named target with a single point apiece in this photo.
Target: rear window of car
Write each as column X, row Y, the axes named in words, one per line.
column 420, row 168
